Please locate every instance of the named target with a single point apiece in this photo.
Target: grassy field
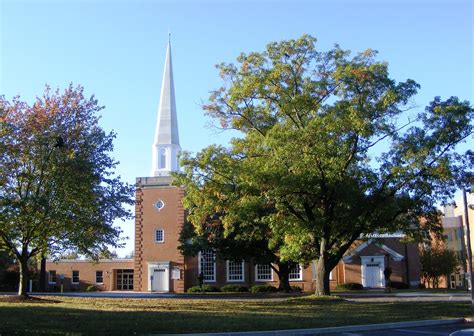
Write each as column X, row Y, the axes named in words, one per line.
column 100, row 316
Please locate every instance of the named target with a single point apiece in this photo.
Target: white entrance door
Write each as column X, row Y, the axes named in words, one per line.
column 373, row 277
column 160, row 280
column 372, row 271
column 159, row 277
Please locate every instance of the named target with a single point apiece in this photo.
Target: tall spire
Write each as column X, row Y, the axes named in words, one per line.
column 165, row 148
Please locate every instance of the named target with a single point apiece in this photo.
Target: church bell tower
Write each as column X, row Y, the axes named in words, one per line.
column 165, row 148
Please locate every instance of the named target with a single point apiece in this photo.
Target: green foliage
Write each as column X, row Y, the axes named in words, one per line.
column 234, row 288
column 203, row 289
column 326, row 152
column 263, row 289
column 58, row 191
column 437, row 261
column 91, row 288
column 350, row 286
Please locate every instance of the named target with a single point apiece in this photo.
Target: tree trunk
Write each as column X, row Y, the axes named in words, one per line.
column 23, row 286
column 322, row 277
column 283, row 277
column 42, row 279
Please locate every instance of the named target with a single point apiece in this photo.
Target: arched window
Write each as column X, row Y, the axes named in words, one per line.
column 162, row 158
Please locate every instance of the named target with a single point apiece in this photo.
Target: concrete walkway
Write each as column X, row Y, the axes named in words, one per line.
column 345, row 330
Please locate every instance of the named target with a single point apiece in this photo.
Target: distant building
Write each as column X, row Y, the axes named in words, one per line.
column 158, row 264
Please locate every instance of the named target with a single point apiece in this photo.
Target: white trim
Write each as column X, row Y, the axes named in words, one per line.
column 263, row 280
column 162, row 234
column 99, row 283
column 242, row 268
column 214, row 270
column 363, row 267
column 395, row 255
column 300, row 278
column 78, row 276
column 55, row 275
column 156, row 202
column 165, row 265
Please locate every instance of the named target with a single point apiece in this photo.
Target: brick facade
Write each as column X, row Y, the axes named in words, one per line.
column 160, row 266
column 87, row 274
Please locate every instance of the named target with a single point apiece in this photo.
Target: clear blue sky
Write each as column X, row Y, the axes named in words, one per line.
column 116, row 50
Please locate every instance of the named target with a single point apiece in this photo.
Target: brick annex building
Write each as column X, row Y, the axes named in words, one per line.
column 158, row 265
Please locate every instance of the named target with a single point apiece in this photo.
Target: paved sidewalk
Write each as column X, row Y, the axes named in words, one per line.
column 405, row 296
column 345, row 330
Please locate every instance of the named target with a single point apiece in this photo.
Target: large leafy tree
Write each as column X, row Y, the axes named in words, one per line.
column 331, row 143
column 236, row 230
column 58, row 191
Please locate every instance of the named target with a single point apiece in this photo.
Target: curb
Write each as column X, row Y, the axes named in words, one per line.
column 329, row 330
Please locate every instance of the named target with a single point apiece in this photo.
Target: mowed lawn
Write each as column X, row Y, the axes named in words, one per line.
column 107, row 316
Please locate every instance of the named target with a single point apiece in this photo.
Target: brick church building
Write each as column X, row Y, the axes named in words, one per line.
column 158, row 265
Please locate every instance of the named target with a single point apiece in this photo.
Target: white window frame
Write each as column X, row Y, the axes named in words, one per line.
column 300, row 277
column 55, row 277
column 331, row 276
column 102, row 276
column 242, row 271
column 78, row 277
column 200, row 259
column 257, row 273
column 162, row 235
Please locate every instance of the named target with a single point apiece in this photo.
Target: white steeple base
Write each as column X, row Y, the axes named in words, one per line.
column 164, row 159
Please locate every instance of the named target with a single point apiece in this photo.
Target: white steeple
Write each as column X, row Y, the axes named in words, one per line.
column 165, row 148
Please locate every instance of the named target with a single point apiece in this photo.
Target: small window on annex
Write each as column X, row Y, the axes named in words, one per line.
column 263, row 273
column 99, row 277
column 52, row 277
column 75, row 277
column 235, row 270
column 159, row 236
column 296, row 273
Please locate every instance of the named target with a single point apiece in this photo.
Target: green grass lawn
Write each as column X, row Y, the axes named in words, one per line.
column 100, row 316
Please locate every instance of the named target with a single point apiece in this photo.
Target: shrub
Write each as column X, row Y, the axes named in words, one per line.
column 195, row 289
column 297, row 289
column 91, row 288
column 234, row 288
column 350, row 286
column 203, row 289
column 263, row 289
column 399, row 285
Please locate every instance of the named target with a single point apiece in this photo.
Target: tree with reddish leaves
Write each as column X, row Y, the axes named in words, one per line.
column 58, row 191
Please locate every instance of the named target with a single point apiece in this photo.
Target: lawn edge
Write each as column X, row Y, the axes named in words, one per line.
column 326, row 330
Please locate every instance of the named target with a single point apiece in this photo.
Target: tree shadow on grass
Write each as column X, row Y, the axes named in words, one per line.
column 148, row 319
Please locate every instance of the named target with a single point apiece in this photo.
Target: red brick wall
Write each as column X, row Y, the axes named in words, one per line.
column 87, row 273
column 148, row 219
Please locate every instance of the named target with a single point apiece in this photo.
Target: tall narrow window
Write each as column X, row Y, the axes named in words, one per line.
column 296, row 273
column 263, row 273
column 75, row 277
column 99, row 277
column 235, row 270
column 207, row 265
column 52, row 277
column 162, row 158
column 160, row 236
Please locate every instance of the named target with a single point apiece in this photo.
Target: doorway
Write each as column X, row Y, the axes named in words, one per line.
column 124, row 279
column 372, row 271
